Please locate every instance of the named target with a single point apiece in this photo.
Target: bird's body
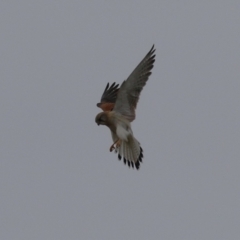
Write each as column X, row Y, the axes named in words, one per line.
column 115, row 122
column 118, row 105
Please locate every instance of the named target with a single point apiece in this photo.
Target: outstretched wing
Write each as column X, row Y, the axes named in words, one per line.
column 109, row 97
column 131, row 88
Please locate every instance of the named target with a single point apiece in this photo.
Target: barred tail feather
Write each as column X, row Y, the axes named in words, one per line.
column 131, row 152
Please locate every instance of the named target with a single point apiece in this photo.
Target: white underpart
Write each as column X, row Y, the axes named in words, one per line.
column 122, row 132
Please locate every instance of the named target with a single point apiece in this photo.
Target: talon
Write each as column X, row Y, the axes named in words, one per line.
column 112, row 147
column 118, row 143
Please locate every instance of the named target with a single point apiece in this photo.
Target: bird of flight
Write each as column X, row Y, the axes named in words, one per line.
column 119, row 104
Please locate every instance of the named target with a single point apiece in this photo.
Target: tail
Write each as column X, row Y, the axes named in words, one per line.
column 131, row 152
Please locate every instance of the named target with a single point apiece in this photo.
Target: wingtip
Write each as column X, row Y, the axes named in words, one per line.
column 153, row 49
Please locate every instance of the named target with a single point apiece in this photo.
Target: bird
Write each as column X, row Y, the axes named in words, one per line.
column 119, row 105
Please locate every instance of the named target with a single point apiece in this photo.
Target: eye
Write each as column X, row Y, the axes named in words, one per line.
column 102, row 119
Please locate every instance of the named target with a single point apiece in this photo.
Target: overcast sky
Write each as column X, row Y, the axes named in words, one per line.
column 58, row 179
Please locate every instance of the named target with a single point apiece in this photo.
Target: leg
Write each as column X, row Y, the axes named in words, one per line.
column 118, row 143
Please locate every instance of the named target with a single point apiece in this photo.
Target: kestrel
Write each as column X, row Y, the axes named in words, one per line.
column 119, row 104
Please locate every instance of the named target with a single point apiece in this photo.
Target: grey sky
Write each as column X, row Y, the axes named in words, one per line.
column 58, row 179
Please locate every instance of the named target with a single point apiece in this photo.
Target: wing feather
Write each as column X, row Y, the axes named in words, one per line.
column 129, row 92
column 109, row 97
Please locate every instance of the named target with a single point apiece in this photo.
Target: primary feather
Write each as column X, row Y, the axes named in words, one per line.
column 131, row 88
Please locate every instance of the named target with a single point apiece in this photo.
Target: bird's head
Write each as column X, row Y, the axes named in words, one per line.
column 101, row 118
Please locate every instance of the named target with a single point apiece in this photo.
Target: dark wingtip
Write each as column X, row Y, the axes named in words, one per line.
column 110, row 93
column 106, row 87
column 153, row 49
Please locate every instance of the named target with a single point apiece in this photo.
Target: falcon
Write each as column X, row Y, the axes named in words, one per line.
column 119, row 105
